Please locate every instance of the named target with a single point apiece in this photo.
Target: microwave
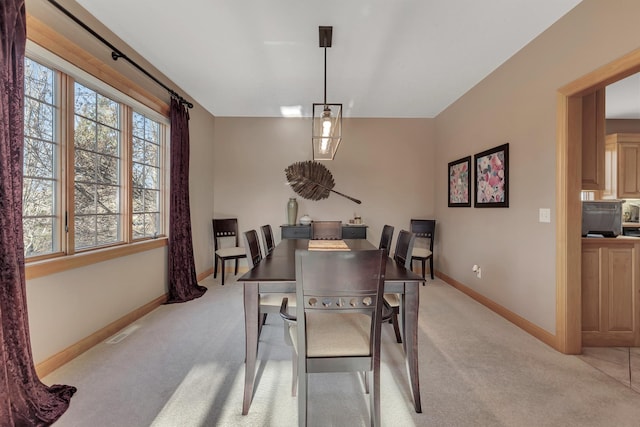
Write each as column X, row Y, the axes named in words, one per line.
column 602, row 218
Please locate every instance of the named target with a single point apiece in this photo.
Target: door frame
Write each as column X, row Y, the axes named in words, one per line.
column 568, row 187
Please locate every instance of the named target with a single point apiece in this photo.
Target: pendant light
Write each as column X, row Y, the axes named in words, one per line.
column 327, row 118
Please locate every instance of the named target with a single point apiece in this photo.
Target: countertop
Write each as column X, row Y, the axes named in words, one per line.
column 610, row 240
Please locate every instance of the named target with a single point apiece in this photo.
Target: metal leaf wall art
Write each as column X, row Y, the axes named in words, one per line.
column 312, row 180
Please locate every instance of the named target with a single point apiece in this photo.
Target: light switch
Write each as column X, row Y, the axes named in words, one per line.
column 545, row 215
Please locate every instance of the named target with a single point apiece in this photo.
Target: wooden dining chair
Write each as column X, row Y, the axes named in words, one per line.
column 268, row 302
column 226, row 230
column 326, row 230
column 402, row 256
column 385, row 238
column 338, row 318
column 267, row 239
column 425, row 230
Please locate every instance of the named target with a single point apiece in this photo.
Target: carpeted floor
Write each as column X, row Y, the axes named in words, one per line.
column 182, row 365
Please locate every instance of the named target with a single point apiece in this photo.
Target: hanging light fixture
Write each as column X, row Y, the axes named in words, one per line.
column 327, row 118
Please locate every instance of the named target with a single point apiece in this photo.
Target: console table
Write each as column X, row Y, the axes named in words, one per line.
column 300, row 231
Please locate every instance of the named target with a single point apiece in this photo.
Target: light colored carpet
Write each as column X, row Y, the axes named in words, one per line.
column 182, row 365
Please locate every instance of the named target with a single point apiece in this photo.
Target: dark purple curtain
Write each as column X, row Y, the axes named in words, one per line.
column 24, row 400
column 183, row 285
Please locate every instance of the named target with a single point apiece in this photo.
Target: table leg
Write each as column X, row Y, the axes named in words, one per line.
column 412, row 302
column 251, row 342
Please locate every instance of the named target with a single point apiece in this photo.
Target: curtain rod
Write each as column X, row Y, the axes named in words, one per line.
column 116, row 53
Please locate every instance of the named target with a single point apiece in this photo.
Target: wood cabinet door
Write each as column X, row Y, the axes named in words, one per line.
column 609, row 296
column 593, row 139
column 628, row 169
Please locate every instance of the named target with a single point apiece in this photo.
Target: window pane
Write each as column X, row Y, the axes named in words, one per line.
column 107, row 199
column 85, row 102
column 151, row 177
column 38, row 119
column 85, row 166
column 38, row 197
column 152, row 131
column 151, row 155
column 108, row 231
column 85, row 133
column 108, row 140
column 97, row 169
column 138, row 150
column 40, row 159
column 38, row 81
column 85, row 234
column 108, row 111
column 151, row 201
column 137, row 172
column 37, row 236
column 108, row 169
column 85, row 200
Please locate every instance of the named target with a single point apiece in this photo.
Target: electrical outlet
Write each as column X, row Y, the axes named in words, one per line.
column 545, row 215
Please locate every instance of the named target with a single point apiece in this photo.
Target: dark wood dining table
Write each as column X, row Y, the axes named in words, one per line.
column 276, row 273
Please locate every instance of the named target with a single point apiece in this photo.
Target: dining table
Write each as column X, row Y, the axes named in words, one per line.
column 276, row 273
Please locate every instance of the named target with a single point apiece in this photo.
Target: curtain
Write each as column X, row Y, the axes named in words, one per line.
column 24, row 400
column 183, row 285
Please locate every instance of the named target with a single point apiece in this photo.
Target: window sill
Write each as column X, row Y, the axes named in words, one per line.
column 56, row 265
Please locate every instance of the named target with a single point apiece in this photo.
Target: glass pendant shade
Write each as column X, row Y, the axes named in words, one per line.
column 327, row 130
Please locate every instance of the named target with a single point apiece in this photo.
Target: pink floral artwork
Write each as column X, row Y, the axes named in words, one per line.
column 492, row 177
column 459, row 182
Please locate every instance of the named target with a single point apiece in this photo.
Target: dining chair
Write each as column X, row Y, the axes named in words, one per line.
column 225, row 230
column 338, row 319
column 402, row 256
column 385, row 238
column 425, row 230
column 267, row 239
column 268, row 302
column 326, row 230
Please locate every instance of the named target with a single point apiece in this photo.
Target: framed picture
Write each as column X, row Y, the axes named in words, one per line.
column 491, row 171
column 460, row 183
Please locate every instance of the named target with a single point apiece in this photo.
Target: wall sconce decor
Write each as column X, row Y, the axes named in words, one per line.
column 327, row 118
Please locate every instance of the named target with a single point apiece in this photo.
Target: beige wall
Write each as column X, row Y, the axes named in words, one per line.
column 385, row 163
column 66, row 307
column 517, row 104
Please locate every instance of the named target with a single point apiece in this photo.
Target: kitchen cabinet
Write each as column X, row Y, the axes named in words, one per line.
column 622, row 166
column 610, row 297
column 593, row 141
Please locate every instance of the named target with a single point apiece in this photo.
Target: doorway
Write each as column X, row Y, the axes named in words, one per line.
column 568, row 187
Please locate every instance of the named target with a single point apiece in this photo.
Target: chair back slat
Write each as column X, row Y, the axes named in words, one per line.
column 267, row 238
column 404, row 248
column 385, row 239
column 253, row 247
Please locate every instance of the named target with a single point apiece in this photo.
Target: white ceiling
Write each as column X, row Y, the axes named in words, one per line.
column 390, row 58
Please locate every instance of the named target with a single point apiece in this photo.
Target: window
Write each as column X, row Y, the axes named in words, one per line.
column 41, row 219
column 93, row 177
column 146, row 176
column 97, row 164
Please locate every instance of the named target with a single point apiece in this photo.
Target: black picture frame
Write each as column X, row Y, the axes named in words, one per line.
column 491, row 177
column 459, row 183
